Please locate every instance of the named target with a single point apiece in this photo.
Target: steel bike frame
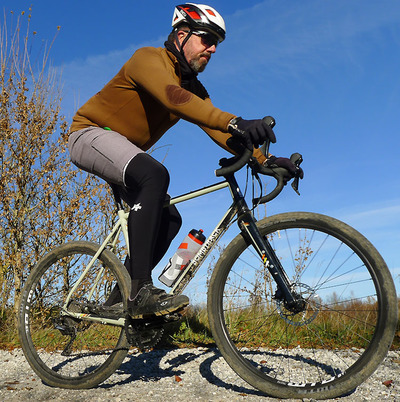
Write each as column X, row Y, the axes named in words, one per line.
column 247, row 226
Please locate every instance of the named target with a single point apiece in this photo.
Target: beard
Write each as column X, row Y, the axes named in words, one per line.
column 198, row 65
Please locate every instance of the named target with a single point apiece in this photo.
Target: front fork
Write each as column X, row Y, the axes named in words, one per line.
column 264, row 249
column 247, row 224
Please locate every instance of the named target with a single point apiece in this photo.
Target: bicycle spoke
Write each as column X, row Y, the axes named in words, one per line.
column 332, row 331
column 67, row 351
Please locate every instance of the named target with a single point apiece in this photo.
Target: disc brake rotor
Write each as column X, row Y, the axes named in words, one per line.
column 308, row 314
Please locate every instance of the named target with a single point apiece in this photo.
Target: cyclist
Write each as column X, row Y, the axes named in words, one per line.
column 112, row 131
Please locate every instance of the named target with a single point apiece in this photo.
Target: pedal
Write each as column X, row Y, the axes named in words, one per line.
column 173, row 317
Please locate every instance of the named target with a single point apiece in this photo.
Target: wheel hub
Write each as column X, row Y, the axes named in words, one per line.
column 305, row 308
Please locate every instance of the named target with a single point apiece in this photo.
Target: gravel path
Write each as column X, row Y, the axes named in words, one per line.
column 169, row 375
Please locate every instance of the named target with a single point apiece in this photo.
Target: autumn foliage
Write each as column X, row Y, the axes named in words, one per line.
column 44, row 201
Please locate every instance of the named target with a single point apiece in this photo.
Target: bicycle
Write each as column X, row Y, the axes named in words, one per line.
column 299, row 304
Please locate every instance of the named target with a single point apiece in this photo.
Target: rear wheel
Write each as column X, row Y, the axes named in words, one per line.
column 66, row 351
column 335, row 340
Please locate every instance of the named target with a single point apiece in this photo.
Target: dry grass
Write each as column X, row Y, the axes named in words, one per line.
column 247, row 327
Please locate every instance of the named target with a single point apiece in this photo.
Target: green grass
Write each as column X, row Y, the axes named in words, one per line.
column 247, row 326
column 192, row 331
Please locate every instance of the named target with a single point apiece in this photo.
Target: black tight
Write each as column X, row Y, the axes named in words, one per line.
column 151, row 227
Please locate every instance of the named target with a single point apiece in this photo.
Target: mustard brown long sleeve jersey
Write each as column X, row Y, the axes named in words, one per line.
column 145, row 99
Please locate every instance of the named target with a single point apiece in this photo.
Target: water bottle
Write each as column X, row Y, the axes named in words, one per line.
column 187, row 250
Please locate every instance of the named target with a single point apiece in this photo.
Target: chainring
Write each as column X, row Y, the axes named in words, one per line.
column 141, row 334
column 145, row 333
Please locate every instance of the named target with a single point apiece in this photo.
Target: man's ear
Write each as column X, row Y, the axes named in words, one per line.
column 181, row 34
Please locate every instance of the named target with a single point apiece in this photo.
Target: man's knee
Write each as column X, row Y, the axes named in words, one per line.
column 143, row 170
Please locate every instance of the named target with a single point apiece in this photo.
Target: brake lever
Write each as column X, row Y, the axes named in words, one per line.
column 296, row 158
column 295, row 185
column 270, row 121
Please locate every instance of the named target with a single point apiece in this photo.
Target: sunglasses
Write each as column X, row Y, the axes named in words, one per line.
column 207, row 38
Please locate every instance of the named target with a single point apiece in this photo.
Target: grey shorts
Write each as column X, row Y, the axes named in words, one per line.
column 102, row 152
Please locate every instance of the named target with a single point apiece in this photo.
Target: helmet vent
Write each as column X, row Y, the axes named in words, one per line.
column 192, row 13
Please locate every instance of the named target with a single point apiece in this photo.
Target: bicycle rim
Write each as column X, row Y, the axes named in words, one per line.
column 342, row 333
column 64, row 351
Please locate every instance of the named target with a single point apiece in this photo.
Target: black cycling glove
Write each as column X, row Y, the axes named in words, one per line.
column 256, row 130
column 286, row 163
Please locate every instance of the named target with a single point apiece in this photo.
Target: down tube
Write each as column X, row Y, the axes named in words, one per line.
column 204, row 251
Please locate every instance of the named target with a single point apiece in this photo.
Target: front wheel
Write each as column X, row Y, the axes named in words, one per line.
column 344, row 328
column 63, row 350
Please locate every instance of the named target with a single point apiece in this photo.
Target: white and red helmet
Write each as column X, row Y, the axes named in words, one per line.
column 200, row 17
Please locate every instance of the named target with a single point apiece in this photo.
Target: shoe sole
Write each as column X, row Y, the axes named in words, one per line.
column 98, row 311
column 160, row 313
column 116, row 315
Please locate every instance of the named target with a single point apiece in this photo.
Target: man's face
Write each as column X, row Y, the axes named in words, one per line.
column 198, row 51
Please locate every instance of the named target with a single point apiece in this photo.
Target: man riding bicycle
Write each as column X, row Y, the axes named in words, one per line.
column 112, row 131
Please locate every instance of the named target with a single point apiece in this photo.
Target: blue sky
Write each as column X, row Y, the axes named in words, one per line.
column 327, row 70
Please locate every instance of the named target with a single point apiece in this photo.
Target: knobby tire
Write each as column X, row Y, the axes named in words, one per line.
column 339, row 338
column 63, row 351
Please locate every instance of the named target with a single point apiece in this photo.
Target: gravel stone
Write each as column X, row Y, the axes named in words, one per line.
column 199, row 374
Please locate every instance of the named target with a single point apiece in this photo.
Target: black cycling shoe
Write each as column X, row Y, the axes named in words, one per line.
column 153, row 301
column 114, row 311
